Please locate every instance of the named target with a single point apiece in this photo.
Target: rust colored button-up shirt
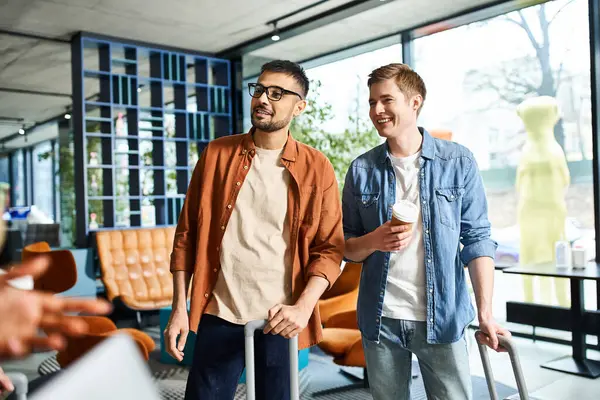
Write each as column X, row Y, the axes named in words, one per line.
column 314, row 212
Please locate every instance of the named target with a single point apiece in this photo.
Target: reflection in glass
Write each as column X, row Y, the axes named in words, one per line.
column 95, row 214
column 147, row 181
column 193, row 154
column 171, row 178
column 148, row 213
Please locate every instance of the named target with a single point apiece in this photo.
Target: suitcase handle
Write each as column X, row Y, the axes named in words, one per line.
column 249, row 330
column 19, row 381
column 509, row 345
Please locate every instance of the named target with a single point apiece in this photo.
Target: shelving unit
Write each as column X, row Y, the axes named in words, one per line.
column 141, row 116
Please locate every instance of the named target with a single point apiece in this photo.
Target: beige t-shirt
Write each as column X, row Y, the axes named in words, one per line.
column 256, row 263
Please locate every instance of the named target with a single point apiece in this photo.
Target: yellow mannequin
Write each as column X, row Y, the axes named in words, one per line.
column 542, row 180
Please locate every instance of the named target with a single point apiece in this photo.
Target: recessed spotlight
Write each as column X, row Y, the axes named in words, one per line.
column 21, row 131
column 67, row 116
column 275, row 38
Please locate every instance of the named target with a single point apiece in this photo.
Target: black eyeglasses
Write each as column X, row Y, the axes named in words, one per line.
column 274, row 93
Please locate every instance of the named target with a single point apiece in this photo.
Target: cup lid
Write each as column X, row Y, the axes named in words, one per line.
column 405, row 211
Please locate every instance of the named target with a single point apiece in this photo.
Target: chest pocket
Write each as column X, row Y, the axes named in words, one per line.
column 366, row 200
column 368, row 208
column 449, row 202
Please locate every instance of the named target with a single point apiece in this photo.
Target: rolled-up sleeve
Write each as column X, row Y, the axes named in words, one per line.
column 184, row 242
column 475, row 227
column 327, row 248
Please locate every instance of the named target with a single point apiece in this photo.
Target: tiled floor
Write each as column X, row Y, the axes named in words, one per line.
column 545, row 384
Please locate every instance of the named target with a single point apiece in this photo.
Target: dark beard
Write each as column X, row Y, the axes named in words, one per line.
column 271, row 126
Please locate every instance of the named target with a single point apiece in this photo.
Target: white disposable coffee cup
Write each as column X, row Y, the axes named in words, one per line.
column 404, row 213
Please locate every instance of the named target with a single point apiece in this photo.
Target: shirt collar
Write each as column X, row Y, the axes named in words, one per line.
column 290, row 149
column 427, row 147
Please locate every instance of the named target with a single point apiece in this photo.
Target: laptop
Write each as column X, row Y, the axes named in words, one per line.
column 112, row 370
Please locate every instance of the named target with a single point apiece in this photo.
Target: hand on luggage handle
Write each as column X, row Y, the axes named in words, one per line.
column 509, row 345
column 249, row 330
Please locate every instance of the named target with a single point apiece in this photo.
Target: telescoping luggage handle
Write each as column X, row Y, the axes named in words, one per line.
column 20, row 383
column 249, row 330
column 516, row 366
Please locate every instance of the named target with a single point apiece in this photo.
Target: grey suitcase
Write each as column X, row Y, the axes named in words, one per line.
column 249, row 330
column 516, row 367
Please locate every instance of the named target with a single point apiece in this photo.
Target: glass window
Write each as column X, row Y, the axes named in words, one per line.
column 343, row 85
column 4, row 173
column 43, row 177
column 538, row 175
column 18, row 178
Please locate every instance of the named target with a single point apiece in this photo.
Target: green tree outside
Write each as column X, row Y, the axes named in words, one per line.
column 341, row 148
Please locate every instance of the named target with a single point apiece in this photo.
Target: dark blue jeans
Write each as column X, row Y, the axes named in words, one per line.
column 219, row 361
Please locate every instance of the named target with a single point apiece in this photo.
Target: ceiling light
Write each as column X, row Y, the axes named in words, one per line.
column 21, row 131
column 67, row 116
column 275, row 36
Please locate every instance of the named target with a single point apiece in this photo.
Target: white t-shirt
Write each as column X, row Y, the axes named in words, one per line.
column 256, row 263
column 405, row 293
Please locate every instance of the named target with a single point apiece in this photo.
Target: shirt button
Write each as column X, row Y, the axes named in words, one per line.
column 206, row 295
column 244, row 151
column 239, row 183
column 430, row 290
column 229, row 206
column 215, row 270
column 451, row 196
column 431, row 320
column 427, row 231
column 222, row 227
column 429, row 260
column 245, row 167
column 364, row 202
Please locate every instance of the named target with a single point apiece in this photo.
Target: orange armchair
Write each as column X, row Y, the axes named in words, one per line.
column 135, row 266
column 60, row 276
column 343, row 295
column 342, row 340
column 99, row 329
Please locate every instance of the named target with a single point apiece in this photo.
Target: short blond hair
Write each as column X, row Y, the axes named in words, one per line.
column 409, row 82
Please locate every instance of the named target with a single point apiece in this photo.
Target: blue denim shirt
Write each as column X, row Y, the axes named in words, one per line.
column 454, row 211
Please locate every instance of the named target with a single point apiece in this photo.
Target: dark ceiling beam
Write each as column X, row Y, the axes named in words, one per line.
column 17, row 135
column 33, row 36
column 296, row 12
column 34, row 92
column 311, row 23
column 11, row 120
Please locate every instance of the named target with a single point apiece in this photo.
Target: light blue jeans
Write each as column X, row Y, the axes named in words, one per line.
column 444, row 367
